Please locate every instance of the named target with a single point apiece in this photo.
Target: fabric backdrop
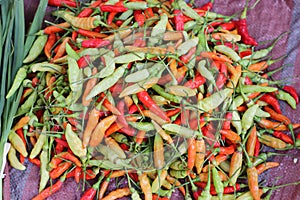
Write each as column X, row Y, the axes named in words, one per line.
column 266, row 21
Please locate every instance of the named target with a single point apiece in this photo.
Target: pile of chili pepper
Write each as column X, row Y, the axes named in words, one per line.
column 163, row 94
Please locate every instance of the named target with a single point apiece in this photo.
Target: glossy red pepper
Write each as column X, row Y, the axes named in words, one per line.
column 271, row 100
column 145, row 98
column 62, row 3
column 94, row 43
column 178, row 20
column 292, row 91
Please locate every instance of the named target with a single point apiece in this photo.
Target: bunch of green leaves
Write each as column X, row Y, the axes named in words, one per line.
column 14, row 45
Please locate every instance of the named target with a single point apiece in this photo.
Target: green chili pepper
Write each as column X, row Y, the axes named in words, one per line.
column 13, row 159
column 238, row 101
column 17, row 143
column 228, row 52
column 44, row 164
column 178, row 165
column 143, row 126
column 248, row 117
column 206, row 192
column 20, row 76
column 27, row 105
column 189, row 25
column 178, row 173
column 213, row 101
column 138, row 5
column 126, row 15
column 90, row 52
column 181, row 130
column 187, row 45
column 39, row 144
column 129, row 57
column 206, row 73
column 260, row 113
column 202, row 45
column 166, row 95
column 120, row 138
column 109, row 68
column 106, row 83
column 188, row 11
column 137, row 76
column 75, row 75
column 71, row 52
column 47, row 67
column 159, row 29
column 36, row 49
column 59, row 97
column 256, row 88
column 75, row 142
column 219, row 187
column 286, row 97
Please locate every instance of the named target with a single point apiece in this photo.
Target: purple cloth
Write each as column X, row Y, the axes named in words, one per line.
column 266, row 21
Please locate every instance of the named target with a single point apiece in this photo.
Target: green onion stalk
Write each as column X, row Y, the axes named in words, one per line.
column 14, row 45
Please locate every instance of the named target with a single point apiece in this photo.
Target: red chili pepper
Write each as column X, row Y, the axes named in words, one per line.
column 139, row 17
column 48, row 46
column 248, row 81
column 145, row 98
column 35, row 161
column 227, row 150
column 125, row 147
column 271, row 100
column 245, row 53
column 242, row 29
column 156, row 197
column 62, row 142
column 187, row 57
column 227, row 26
column 197, row 81
column 111, row 17
column 94, row 43
column 128, row 131
column 173, row 112
column 50, row 190
column 227, row 190
column 86, row 12
column 121, row 118
column 84, row 61
column 77, row 173
column 91, row 34
column 57, row 172
column 134, row 108
column 59, row 148
column 292, row 91
column 70, row 157
column 119, row 22
column 178, row 20
column 134, row 177
column 62, row 3
column 92, row 191
column 149, row 13
column 207, row 6
column 221, row 80
column 257, row 147
column 88, row 175
column 227, row 121
column 113, row 8
column 283, row 137
column 116, row 89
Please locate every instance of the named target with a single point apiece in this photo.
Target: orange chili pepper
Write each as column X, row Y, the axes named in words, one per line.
column 265, row 166
column 252, row 176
